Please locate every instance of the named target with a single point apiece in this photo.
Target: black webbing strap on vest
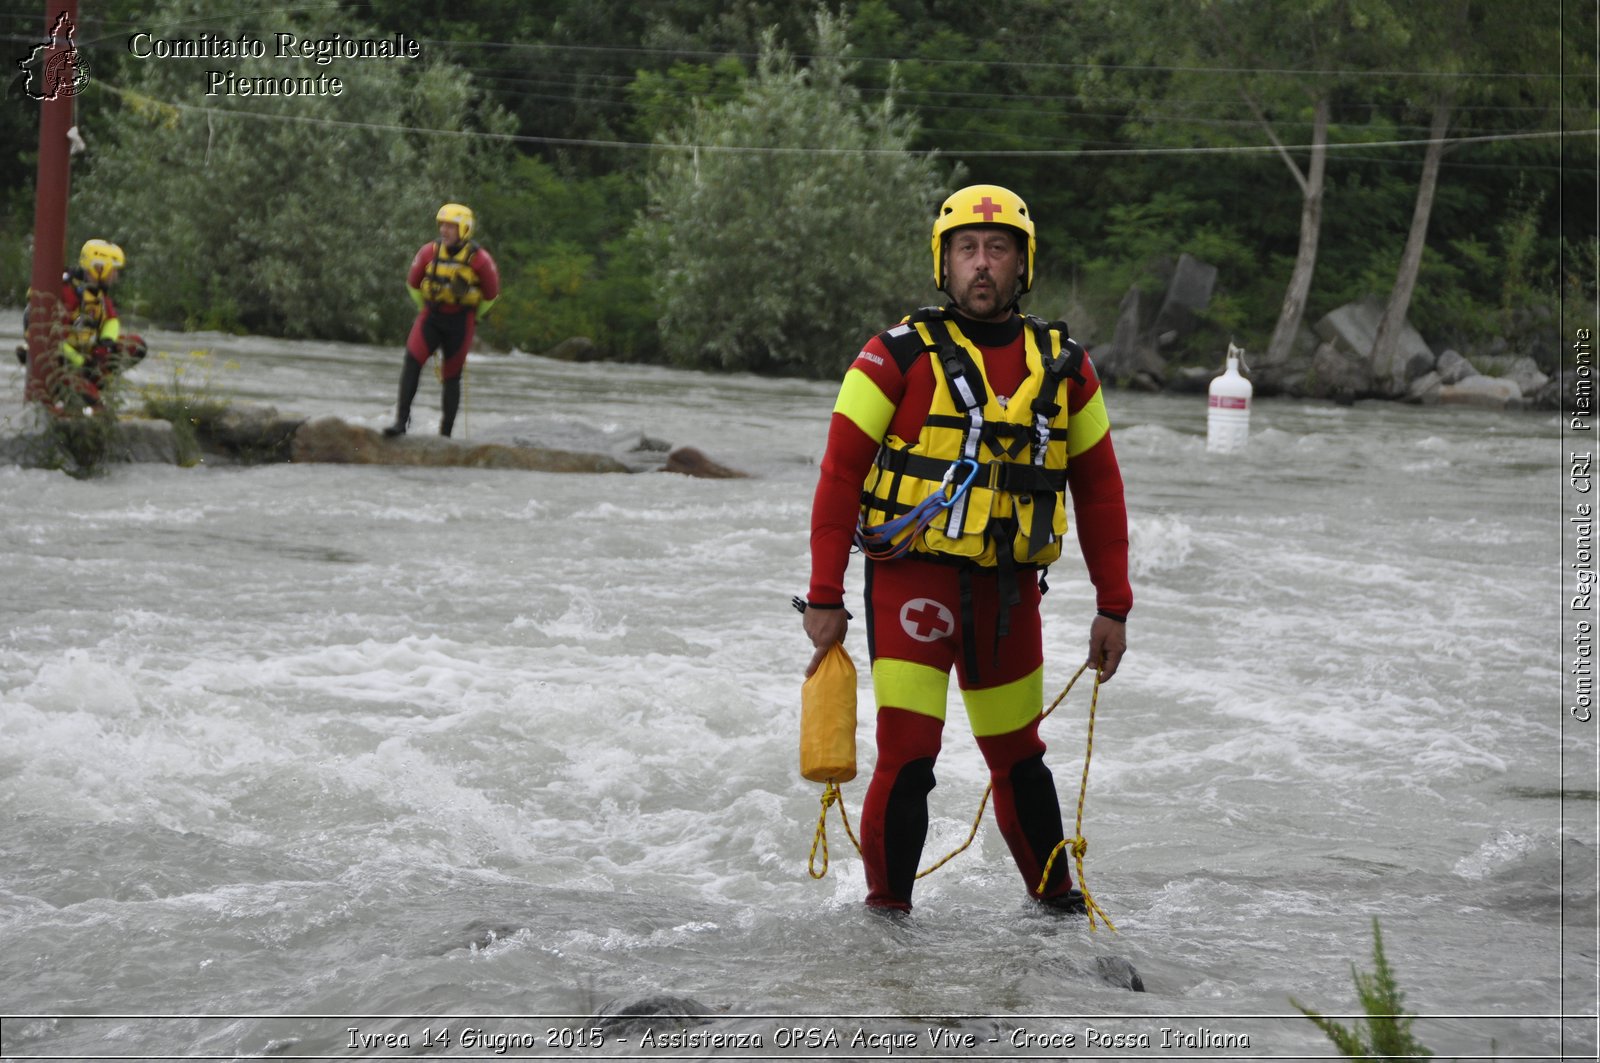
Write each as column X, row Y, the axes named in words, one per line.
column 1059, row 367
column 968, row 393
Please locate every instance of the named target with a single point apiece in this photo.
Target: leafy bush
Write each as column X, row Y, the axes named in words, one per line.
column 771, row 258
column 570, row 264
column 288, row 215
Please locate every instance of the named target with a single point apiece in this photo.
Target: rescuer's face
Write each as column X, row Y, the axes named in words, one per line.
column 983, row 268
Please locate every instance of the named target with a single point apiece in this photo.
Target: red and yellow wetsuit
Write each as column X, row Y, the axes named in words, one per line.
column 928, row 611
column 93, row 347
column 451, row 287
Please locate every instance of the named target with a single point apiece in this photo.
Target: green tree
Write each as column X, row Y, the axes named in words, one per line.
column 1457, row 42
column 569, row 264
column 793, row 223
column 1282, row 66
column 290, row 215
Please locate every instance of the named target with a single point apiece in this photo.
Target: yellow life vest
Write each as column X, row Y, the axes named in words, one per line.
column 84, row 331
column 450, row 280
column 1014, row 453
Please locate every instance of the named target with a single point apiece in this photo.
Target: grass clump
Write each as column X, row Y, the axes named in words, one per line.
column 186, row 399
column 1386, row 1033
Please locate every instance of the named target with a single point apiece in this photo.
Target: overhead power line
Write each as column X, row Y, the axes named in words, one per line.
column 742, row 149
column 1001, row 63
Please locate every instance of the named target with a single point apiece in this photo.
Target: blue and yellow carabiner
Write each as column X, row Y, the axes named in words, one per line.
column 878, row 541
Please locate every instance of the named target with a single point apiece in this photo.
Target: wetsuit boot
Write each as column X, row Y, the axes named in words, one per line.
column 410, row 377
column 1028, row 812
column 452, row 402
column 894, row 816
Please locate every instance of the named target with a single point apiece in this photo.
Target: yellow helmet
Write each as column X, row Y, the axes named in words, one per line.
column 98, row 258
column 455, row 212
column 982, row 205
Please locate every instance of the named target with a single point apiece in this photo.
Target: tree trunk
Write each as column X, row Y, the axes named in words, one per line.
column 1386, row 344
column 1305, row 262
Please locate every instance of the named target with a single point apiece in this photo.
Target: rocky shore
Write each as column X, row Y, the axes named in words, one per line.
column 247, row 434
column 1332, row 358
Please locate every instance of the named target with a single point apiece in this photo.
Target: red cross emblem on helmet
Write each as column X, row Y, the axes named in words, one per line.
column 988, row 208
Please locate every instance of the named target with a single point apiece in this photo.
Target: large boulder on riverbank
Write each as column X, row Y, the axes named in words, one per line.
column 1453, row 369
column 1338, row 374
column 1353, row 330
column 1157, row 314
column 1484, row 392
column 1521, row 370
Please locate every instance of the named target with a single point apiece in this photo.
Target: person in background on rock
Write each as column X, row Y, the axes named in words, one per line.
column 93, row 348
column 452, row 281
column 952, row 444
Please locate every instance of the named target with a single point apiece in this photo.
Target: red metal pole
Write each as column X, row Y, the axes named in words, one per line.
column 57, row 86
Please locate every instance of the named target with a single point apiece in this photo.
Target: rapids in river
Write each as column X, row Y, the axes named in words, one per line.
column 310, row 760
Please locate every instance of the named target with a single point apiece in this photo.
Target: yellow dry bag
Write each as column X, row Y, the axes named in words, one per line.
column 828, row 719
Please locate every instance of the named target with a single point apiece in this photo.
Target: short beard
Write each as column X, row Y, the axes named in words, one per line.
column 1003, row 303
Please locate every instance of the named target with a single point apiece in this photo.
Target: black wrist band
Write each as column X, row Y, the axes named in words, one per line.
column 801, row 605
column 1121, row 618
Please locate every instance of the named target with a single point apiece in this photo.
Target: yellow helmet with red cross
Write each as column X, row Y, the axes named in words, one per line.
column 989, row 205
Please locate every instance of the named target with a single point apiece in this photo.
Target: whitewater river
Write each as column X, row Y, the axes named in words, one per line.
column 316, row 761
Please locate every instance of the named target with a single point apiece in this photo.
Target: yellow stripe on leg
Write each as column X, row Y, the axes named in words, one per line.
column 1007, row 707
column 911, row 686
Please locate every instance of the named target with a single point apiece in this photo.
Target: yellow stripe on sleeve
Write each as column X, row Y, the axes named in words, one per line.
column 865, row 404
column 1087, row 426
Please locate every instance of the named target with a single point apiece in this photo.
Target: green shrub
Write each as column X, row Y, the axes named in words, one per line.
column 770, row 256
column 1387, row 1033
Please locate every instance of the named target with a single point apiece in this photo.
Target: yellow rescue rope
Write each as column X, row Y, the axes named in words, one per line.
column 830, row 795
column 1078, row 843
column 1079, row 846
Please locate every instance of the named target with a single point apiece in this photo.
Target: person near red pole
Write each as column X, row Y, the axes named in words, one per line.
column 92, row 347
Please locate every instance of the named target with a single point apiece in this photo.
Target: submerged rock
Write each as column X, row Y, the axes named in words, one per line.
column 1116, row 971
column 659, row 1011
column 574, row 349
column 249, row 434
column 691, row 462
column 143, row 439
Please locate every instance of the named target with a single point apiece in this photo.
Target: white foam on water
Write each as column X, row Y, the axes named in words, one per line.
column 417, row 701
column 1158, row 543
column 1506, row 847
